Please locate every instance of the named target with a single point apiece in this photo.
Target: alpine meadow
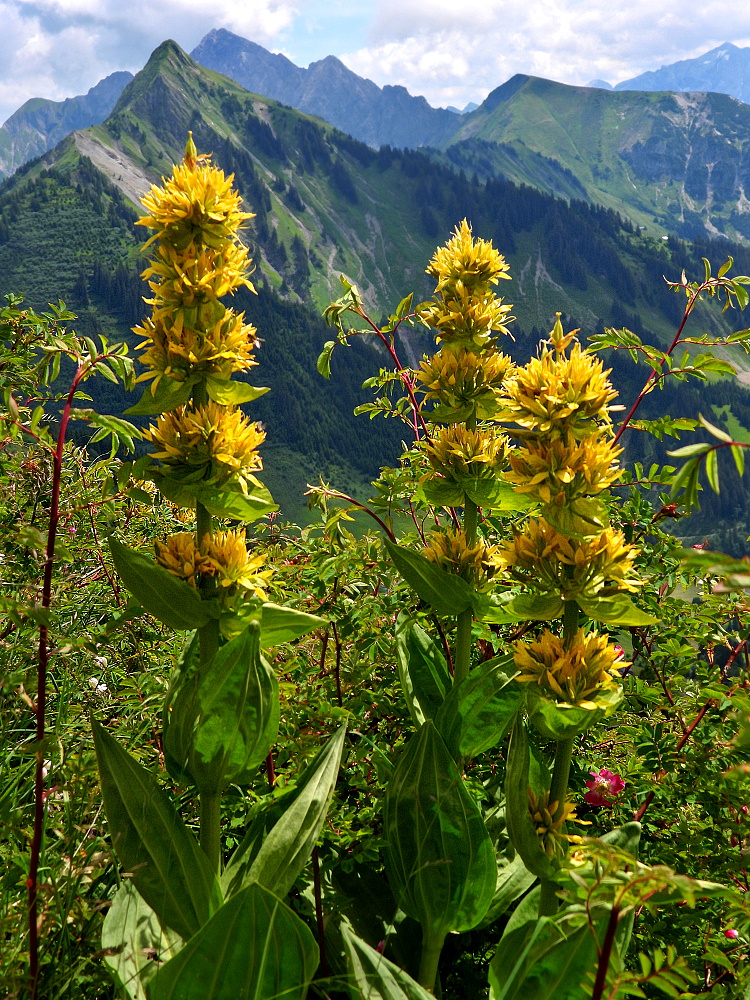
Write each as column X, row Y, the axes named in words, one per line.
column 374, row 537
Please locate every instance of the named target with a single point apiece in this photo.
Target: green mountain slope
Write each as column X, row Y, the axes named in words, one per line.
column 674, row 163
column 324, row 204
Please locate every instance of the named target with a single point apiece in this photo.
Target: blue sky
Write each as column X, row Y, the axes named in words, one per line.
column 449, row 53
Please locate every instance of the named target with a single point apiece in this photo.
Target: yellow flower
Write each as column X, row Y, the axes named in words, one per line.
column 222, row 556
column 476, row 564
column 212, row 443
column 460, row 454
column 193, row 279
column 233, row 566
column 557, row 469
column 465, row 382
column 572, row 675
column 472, row 263
column 548, row 829
column 550, row 563
column 466, row 312
column 559, row 396
column 180, row 556
column 180, row 352
column 196, row 205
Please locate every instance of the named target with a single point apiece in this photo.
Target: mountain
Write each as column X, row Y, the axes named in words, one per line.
column 671, row 162
column 723, row 70
column 374, row 115
column 39, row 124
column 325, row 204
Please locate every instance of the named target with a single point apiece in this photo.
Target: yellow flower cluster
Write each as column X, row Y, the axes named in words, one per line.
column 212, row 443
column 465, row 311
column 548, row 829
column 476, row 564
column 197, row 204
column 551, row 563
column 559, row 396
column 178, row 351
column 459, row 454
column 572, row 674
column 222, row 557
column 465, row 382
column 557, row 470
column 199, row 259
column 561, row 406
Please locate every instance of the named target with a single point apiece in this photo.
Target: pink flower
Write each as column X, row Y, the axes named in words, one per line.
column 731, row 934
column 604, row 789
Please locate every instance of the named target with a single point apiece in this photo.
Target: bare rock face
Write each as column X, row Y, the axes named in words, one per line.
column 40, row 124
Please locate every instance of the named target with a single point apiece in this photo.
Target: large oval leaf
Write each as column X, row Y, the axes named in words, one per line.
column 174, row 602
column 424, row 675
column 520, row 825
column 253, row 948
column 479, row 710
column 439, row 856
column 447, row 593
column 279, row 841
column 225, row 719
column 169, row 868
column 376, row 978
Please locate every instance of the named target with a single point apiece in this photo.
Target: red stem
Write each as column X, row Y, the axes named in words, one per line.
column 605, row 955
column 41, row 696
column 655, row 371
column 337, row 644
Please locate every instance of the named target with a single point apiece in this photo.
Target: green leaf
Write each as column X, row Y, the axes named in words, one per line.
column 522, row 608
column 162, row 398
column 222, row 723
column 231, row 393
column 324, row 358
column 717, row 432
column 444, row 413
column 219, row 501
column 376, row 978
column 712, row 470
column 585, row 518
column 480, row 709
column 253, row 948
column 422, row 669
column 618, row 610
column 174, row 602
column 564, row 722
column 439, row 857
column 170, row 870
column 281, row 624
column 134, row 942
column 280, row 839
column 521, row 830
column 512, row 881
column 691, row 450
column 541, row 960
column 496, row 494
column 447, row 593
column 442, row 493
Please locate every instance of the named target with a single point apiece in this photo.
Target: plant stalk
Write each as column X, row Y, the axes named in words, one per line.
column 428, row 966
column 462, row 656
column 210, row 831
column 41, row 693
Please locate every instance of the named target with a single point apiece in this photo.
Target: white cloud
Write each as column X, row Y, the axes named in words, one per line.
column 59, row 48
column 452, row 57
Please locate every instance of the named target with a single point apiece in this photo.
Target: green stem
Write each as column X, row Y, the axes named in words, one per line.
column 570, row 622
column 548, row 901
column 210, row 836
column 428, row 966
column 462, row 655
column 559, row 787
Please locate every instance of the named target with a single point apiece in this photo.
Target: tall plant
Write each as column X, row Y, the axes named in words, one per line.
column 215, row 932
column 534, row 445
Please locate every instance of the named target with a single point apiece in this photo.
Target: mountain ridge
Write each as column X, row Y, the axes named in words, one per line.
column 39, row 124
